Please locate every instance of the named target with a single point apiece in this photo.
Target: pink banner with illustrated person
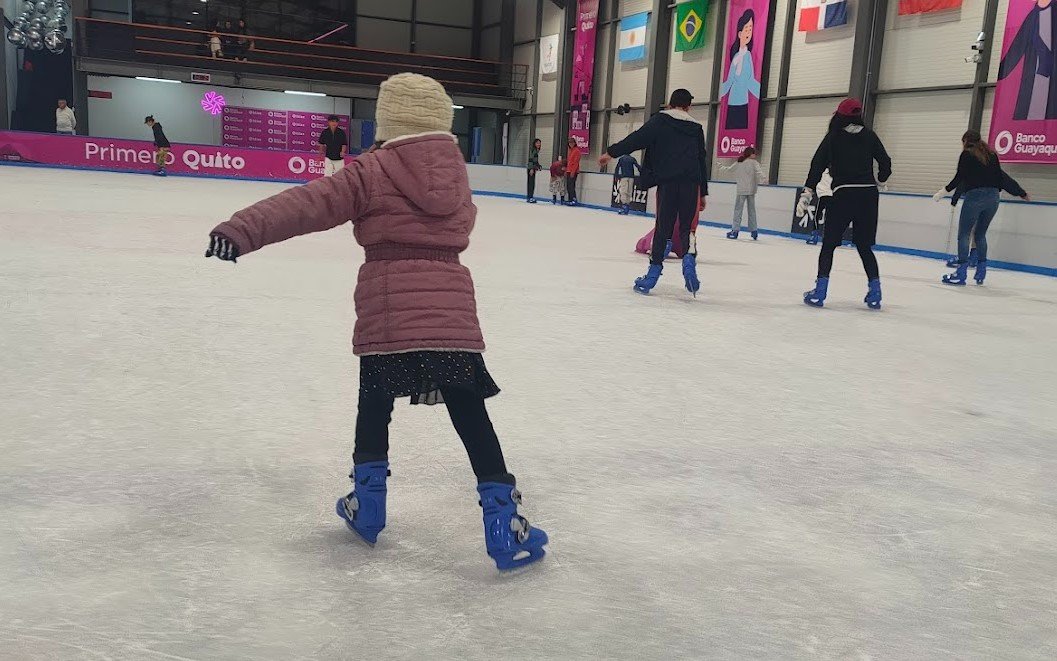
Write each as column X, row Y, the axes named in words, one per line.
column 739, row 103
column 138, row 156
column 583, row 73
column 1024, row 116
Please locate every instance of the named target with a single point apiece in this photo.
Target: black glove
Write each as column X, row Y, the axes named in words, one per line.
column 221, row 247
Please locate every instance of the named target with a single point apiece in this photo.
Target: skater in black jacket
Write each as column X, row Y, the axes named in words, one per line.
column 676, row 162
column 849, row 151
column 161, row 144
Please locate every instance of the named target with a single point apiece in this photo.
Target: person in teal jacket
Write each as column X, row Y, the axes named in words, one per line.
column 741, row 76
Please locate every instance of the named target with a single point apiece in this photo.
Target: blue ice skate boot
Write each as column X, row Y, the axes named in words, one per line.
column 755, row 236
column 647, row 282
column 532, row 200
column 732, row 235
column 958, row 277
column 817, row 296
column 667, row 248
column 693, row 285
column 813, row 239
column 981, row 272
column 627, row 209
column 873, row 295
column 509, row 539
column 160, row 172
column 364, row 508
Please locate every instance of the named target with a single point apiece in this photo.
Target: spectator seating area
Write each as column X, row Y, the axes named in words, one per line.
column 163, row 45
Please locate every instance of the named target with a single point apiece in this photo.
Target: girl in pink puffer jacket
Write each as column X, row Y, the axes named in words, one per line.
column 417, row 332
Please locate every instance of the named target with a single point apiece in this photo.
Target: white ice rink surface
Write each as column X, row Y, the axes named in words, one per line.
column 733, row 477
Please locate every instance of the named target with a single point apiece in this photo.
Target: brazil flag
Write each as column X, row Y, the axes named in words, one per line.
column 690, row 25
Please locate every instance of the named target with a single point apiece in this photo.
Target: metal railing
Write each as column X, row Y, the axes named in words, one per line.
column 165, row 45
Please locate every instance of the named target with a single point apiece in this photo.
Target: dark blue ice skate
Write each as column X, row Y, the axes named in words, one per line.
column 981, row 272
column 973, row 258
column 958, row 277
column 160, row 172
column 755, row 236
column 532, row 200
column 873, row 295
column 647, row 282
column 509, row 539
column 817, row 296
column 693, row 285
column 364, row 508
column 813, row 239
column 732, row 235
column 667, row 248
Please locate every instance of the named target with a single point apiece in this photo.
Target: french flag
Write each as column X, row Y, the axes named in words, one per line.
column 822, row 14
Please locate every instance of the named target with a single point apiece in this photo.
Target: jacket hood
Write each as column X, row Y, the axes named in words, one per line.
column 681, row 121
column 427, row 169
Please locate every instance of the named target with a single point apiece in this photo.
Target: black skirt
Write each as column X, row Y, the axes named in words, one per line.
column 422, row 375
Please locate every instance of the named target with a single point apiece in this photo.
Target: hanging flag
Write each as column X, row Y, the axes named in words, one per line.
column 633, row 37
column 822, row 14
column 549, row 54
column 690, row 25
column 925, row 6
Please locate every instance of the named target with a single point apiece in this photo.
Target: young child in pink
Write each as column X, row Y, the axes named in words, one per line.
column 417, row 333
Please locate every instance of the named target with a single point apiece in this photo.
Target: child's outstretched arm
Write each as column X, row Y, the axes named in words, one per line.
column 319, row 205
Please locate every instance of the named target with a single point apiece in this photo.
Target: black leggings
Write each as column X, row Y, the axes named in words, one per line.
column 856, row 207
column 570, row 186
column 531, row 184
column 468, row 415
column 676, row 202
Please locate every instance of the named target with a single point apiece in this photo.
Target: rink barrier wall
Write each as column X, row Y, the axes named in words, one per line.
column 1023, row 236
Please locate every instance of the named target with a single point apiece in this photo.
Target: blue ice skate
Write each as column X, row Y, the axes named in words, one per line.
column 508, row 537
column 873, row 295
column 981, row 272
column 732, row 235
column 817, row 296
column 160, row 172
column 667, row 248
column 532, row 200
column 958, row 277
column 813, row 239
column 693, row 285
column 364, row 508
column 647, row 282
column 755, row 235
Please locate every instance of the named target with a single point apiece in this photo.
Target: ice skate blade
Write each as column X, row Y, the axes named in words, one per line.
column 814, row 303
column 640, row 290
column 510, row 561
column 874, row 306
column 953, row 283
column 371, row 538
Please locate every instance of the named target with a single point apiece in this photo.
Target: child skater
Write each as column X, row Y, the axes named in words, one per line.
column 748, row 175
column 625, row 174
column 558, row 182
column 815, row 216
column 417, row 332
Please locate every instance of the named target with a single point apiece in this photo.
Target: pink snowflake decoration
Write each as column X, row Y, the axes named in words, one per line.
column 213, row 103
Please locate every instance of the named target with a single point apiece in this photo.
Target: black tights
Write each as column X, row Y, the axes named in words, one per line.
column 869, row 261
column 855, row 207
column 468, row 415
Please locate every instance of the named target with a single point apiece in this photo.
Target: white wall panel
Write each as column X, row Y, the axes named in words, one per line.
column 386, row 8
column 545, row 132
column 434, row 40
column 519, row 136
column 451, row 12
column 777, row 40
column 524, row 19
column 929, row 49
column 553, row 18
column 767, row 112
column 603, row 67
column 922, row 133
column 589, row 162
column 996, row 35
column 629, row 7
column 525, row 54
column 693, row 69
column 622, row 125
column 492, row 12
column 804, row 127
column 820, row 62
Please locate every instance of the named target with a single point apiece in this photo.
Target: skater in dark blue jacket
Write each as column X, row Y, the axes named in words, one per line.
column 627, row 167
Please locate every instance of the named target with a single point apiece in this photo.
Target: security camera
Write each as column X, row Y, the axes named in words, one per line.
column 981, row 42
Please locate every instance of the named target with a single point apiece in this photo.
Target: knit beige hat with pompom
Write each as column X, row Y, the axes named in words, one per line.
column 409, row 104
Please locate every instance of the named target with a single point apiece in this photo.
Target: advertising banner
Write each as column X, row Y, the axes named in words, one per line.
column 739, row 104
column 549, row 54
column 283, row 130
column 583, row 73
column 639, row 197
column 138, row 156
column 1024, row 116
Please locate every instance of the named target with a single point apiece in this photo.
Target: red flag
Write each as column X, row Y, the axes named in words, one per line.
column 924, row 6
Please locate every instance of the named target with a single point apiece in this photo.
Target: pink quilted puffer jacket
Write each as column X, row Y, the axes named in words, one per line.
column 411, row 210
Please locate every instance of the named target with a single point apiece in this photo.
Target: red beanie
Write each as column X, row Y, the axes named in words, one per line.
column 850, row 108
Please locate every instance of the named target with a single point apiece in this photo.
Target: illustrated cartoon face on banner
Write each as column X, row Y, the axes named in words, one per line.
column 742, row 64
column 1024, row 116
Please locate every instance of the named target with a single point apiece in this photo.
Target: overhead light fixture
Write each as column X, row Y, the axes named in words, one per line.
column 457, row 107
column 194, row 13
column 300, row 93
column 158, row 80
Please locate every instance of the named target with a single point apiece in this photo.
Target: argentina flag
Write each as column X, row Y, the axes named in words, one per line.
column 633, row 37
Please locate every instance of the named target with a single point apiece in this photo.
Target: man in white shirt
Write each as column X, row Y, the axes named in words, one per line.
column 65, row 121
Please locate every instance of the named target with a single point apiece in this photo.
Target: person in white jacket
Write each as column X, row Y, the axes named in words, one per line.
column 65, row 121
column 824, row 191
column 748, row 175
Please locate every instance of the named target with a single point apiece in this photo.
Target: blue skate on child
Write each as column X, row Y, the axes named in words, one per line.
column 817, row 296
column 509, row 539
column 647, row 282
column 364, row 508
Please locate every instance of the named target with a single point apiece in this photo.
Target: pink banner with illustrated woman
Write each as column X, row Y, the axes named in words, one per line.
column 583, row 73
column 739, row 103
column 1024, row 118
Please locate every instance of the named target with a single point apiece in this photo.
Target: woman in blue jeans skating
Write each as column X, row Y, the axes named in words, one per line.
column 981, row 178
